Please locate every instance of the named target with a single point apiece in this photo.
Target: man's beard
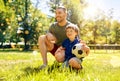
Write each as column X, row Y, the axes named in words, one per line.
column 59, row 21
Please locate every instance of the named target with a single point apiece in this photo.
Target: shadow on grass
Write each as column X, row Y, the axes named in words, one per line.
column 50, row 69
column 35, row 70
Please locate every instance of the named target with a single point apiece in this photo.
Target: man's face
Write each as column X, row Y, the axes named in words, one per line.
column 60, row 15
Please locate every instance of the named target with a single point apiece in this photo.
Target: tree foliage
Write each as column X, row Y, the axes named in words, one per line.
column 15, row 14
column 22, row 14
column 115, row 36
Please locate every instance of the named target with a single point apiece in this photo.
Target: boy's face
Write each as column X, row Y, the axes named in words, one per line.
column 60, row 15
column 71, row 34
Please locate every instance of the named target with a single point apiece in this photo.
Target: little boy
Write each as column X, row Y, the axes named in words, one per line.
column 72, row 32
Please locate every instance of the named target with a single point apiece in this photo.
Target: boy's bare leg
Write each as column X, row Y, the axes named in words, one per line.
column 75, row 63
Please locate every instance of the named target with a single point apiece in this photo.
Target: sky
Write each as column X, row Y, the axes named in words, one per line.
column 104, row 5
column 42, row 5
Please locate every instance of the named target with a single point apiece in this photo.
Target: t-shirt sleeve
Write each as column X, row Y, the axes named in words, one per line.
column 51, row 28
column 63, row 44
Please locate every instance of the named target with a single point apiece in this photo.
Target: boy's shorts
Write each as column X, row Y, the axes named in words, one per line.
column 66, row 63
column 54, row 49
column 79, row 60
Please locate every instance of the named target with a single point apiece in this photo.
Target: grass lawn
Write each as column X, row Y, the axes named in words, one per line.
column 100, row 65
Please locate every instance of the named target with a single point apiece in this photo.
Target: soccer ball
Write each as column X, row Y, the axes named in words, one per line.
column 77, row 51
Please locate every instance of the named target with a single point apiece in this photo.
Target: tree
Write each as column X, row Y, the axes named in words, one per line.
column 53, row 4
column 4, row 21
column 22, row 14
column 75, row 10
column 2, row 6
column 116, row 32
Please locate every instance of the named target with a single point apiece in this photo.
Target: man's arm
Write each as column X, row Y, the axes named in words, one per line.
column 85, row 47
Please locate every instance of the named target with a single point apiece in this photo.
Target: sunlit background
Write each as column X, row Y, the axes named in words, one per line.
column 95, row 6
column 91, row 11
column 98, row 20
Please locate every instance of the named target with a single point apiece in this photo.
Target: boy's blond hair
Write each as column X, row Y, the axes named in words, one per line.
column 74, row 27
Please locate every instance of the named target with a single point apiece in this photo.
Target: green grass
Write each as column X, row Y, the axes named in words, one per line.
column 100, row 65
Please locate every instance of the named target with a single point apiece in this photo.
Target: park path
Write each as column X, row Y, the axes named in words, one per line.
column 115, row 61
column 7, row 62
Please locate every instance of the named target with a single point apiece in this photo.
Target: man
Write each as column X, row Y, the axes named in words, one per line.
column 54, row 38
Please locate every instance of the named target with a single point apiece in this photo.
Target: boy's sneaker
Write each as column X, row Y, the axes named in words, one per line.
column 65, row 64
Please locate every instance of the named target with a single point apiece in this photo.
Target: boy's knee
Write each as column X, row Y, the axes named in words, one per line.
column 71, row 61
column 74, row 63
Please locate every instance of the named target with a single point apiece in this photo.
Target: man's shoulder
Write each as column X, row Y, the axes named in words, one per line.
column 54, row 24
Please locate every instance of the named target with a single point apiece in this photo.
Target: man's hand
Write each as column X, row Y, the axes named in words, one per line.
column 85, row 47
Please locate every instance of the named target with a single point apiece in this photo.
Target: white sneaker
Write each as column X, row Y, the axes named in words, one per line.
column 43, row 66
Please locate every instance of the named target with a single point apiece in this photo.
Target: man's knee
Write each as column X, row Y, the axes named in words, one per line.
column 41, row 39
column 46, row 41
column 51, row 37
column 48, row 38
column 59, row 56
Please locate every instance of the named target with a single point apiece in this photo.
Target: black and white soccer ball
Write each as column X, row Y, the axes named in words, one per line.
column 77, row 50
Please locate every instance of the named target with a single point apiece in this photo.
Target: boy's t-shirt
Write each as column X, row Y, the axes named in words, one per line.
column 67, row 44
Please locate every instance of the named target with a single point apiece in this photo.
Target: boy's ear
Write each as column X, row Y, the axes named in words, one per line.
column 76, row 33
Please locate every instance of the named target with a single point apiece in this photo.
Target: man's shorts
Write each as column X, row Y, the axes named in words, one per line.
column 54, row 49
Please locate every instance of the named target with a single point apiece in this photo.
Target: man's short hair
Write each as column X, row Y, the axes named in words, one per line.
column 62, row 7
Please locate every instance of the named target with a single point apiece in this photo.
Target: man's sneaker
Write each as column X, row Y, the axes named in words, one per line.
column 42, row 66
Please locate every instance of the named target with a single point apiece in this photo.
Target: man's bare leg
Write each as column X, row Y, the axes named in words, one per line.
column 43, row 49
column 44, row 46
column 60, row 55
